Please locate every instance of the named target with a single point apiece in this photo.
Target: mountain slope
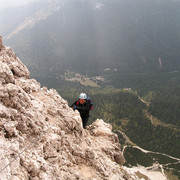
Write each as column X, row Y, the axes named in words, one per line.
column 42, row 138
column 88, row 36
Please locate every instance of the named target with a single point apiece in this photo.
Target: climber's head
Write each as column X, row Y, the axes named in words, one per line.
column 82, row 98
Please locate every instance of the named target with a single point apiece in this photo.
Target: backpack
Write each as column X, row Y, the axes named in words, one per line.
column 90, row 102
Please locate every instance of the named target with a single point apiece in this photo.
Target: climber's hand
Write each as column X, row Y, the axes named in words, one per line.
column 74, row 107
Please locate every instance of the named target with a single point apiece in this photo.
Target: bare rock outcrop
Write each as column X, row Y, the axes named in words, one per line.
column 42, row 138
column 1, row 44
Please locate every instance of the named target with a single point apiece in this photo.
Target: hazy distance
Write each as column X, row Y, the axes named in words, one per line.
column 10, row 3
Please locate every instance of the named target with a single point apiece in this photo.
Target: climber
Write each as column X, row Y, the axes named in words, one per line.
column 83, row 105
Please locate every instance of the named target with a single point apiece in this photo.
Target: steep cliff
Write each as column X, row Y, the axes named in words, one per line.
column 42, row 138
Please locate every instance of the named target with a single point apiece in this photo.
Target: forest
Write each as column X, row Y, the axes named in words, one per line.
column 165, row 105
column 124, row 111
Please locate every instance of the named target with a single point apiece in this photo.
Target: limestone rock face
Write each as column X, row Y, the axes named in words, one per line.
column 42, row 138
column 1, row 44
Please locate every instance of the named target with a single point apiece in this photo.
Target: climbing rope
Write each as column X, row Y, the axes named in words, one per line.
column 26, row 147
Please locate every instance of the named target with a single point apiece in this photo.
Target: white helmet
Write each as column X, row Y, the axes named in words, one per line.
column 82, row 96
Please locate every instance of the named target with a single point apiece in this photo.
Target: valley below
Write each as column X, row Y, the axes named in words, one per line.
column 160, row 167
